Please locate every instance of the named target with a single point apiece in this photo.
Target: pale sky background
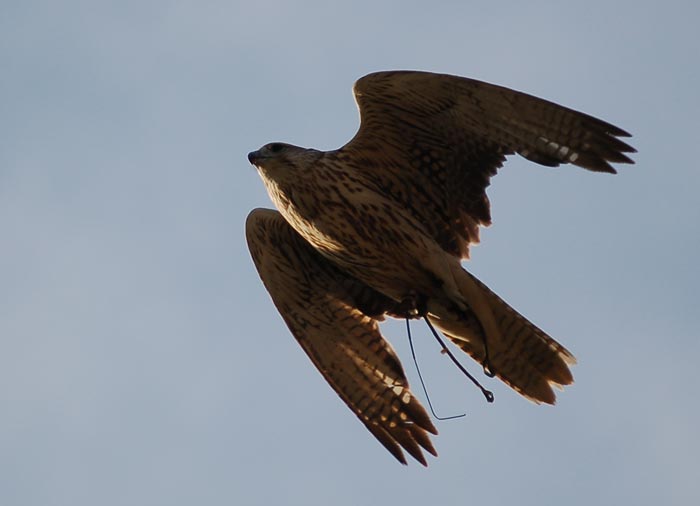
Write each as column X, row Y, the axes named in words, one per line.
column 143, row 363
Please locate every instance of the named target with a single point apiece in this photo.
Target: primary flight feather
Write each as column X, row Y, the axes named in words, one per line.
column 379, row 227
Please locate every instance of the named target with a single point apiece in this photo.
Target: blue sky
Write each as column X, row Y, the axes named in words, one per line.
column 142, row 361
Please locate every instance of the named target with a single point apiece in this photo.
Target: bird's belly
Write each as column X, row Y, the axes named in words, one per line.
column 381, row 245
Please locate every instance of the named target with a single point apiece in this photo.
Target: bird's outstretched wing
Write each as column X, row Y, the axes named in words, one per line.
column 334, row 319
column 433, row 141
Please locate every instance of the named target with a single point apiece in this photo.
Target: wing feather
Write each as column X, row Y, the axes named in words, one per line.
column 320, row 305
column 434, row 141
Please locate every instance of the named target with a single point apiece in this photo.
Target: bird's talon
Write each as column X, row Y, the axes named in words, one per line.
column 413, row 305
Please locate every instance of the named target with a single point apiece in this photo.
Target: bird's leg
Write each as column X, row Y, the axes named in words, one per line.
column 412, row 306
column 488, row 371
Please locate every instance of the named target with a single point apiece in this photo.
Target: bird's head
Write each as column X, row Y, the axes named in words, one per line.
column 278, row 159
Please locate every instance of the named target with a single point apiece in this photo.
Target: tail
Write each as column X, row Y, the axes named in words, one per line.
column 520, row 353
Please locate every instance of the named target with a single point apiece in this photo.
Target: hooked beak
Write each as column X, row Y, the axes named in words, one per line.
column 253, row 156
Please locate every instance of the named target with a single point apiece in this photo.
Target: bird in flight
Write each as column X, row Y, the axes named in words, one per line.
column 379, row 228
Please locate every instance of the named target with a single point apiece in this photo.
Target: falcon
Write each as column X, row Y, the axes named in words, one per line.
column 380, row 226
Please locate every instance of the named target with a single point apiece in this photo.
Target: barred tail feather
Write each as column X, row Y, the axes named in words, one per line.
column 520, row 353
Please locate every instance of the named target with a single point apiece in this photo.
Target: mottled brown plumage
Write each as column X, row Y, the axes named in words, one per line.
column 387, row 218
column 320, row 304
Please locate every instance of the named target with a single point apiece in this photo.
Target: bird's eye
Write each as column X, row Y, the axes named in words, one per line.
column 276, row 147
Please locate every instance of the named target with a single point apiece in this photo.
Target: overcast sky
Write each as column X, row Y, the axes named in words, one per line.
column 141, row 359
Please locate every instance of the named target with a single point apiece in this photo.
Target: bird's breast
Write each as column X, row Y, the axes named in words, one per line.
column 366, row 233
